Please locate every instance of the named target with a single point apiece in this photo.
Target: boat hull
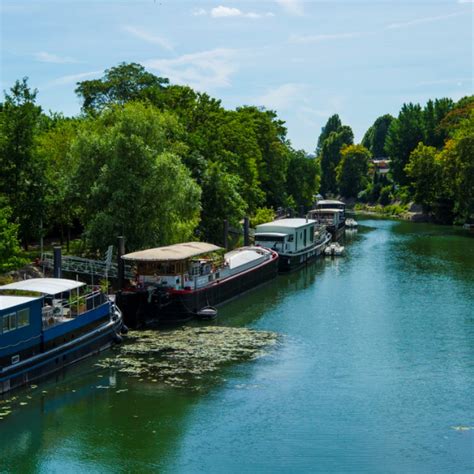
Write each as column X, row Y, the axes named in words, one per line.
column 177, row 307
column 56, row 358
column 290, row 262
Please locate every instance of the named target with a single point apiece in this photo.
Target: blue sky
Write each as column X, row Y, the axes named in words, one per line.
column 304, row 59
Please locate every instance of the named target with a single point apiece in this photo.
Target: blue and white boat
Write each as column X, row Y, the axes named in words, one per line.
column 49, row 323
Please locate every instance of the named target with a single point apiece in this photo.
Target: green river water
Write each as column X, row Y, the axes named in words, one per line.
column 374, row 372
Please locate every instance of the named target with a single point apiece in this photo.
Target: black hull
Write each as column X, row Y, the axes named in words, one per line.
column 336, row 232
column 56, row 359
column 288, row 263
column 183, row 306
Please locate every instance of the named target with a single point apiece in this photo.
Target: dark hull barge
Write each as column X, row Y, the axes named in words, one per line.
column 297, row 241
column 175, row 283
column 50, row 323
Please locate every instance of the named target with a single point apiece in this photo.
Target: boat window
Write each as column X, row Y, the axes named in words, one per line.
column 304, row 239
column 291, row 237
column 23, row 317
column 311, row 233
column 9, row 322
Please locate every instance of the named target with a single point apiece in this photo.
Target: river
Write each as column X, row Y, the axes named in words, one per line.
column 374, row 372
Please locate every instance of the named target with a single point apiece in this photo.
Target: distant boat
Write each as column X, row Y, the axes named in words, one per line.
column 297, row 241
column 49, row 323
column 332, row 214
column 334, row 250
column 351, row 223
column 179, row 282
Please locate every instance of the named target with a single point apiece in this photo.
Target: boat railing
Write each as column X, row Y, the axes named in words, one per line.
column 63, row 310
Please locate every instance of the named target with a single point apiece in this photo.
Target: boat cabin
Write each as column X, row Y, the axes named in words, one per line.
column 331, row 204
column 286, row 235
column 328, row 216
column 38, row 311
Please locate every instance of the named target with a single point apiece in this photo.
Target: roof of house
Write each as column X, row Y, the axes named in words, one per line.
column 46, row 286
column 170, row 253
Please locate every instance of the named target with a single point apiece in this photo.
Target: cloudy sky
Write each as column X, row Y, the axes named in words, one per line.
column 304, row 59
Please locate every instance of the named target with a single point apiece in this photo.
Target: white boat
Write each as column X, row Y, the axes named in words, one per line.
column 334, row 250
column 351, row 223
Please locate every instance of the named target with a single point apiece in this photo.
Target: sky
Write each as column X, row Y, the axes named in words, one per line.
column 304, row 59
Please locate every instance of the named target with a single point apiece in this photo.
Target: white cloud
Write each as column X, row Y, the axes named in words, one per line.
column 73, row 78
column 199, row 12
column 294, row 7
column 45, row 57
column 204, row 70
column 419, row 21
column 283, row 97
column 322, row 37
column 149, row 37
column 465, row 1
column 229, row 12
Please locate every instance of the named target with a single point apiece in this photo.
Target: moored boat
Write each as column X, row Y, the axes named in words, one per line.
column 332, row 214
column 351, row 223
column 334, row 250
column 176, row 283
column 49, row 323
column 297, row 241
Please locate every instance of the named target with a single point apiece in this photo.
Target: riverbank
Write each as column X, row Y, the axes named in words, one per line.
column 410, row 212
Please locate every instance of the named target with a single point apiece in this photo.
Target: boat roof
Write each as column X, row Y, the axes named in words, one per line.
column 292, row 223
column 46, row 286
column 271, row 234
column 330, row 201
column 7, row 301
column 326, row 211
column 170, row 253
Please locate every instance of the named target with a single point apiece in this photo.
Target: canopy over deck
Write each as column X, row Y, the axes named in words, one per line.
column 46, row 286
column 325, row 202
column 172, row 253
column 325, row 211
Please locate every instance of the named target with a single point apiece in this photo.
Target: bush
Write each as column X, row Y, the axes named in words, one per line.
column 262, row 215
column 385, row 195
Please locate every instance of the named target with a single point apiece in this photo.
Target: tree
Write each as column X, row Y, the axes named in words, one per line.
column 352, row 170
column 221, row 200
column 374, row 138
column 9, row 245
column 331, row 156
column 404, row 134
column 120, row 84
column 132, row 181
column 424, row 170
column 303, row 178
column 22, row 179
column 332, row 125
column 433, row 115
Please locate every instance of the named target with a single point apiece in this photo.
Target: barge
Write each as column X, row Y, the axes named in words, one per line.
column 174, row 284
column 332, row 214
column 297, row 241
column 49, row 323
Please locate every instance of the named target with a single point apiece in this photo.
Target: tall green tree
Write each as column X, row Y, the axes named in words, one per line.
column 333, row 124
column 433, row 114
column 119, row 85
column 132, row 180
column 374, row 138
column 9, row 244
column 331, row 156
column 403, row 136
column 351, row 171
column 303, row 178
column 22, row 178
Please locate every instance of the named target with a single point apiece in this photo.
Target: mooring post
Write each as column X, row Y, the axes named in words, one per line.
column 226, row 234
column 57, row 262
column 120, row 262
column 246, row 231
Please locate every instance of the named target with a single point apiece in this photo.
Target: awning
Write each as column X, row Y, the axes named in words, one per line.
column 172, row 253
column 270, row 234
column 46, row 286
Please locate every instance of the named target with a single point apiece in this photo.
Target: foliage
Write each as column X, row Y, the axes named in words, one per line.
column 131, row 180
column 261, row 216
column 374, row 138
column 302, row 179
column 351, row 172
column 331, row 156
column 9, row 245
column 119, row 85
column 22, row 179
column 333, row 124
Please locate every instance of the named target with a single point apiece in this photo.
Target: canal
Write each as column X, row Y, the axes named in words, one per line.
column 374, row 372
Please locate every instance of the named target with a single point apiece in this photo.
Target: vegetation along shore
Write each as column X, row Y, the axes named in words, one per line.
column 161, row 163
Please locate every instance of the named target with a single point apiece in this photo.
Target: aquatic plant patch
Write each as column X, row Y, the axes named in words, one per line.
column 179, row 357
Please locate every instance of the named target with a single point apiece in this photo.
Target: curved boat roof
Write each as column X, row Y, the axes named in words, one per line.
column 291, row 223
column 171, row 253
column 46, row 286
column 7, row 301
column 330, row 201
